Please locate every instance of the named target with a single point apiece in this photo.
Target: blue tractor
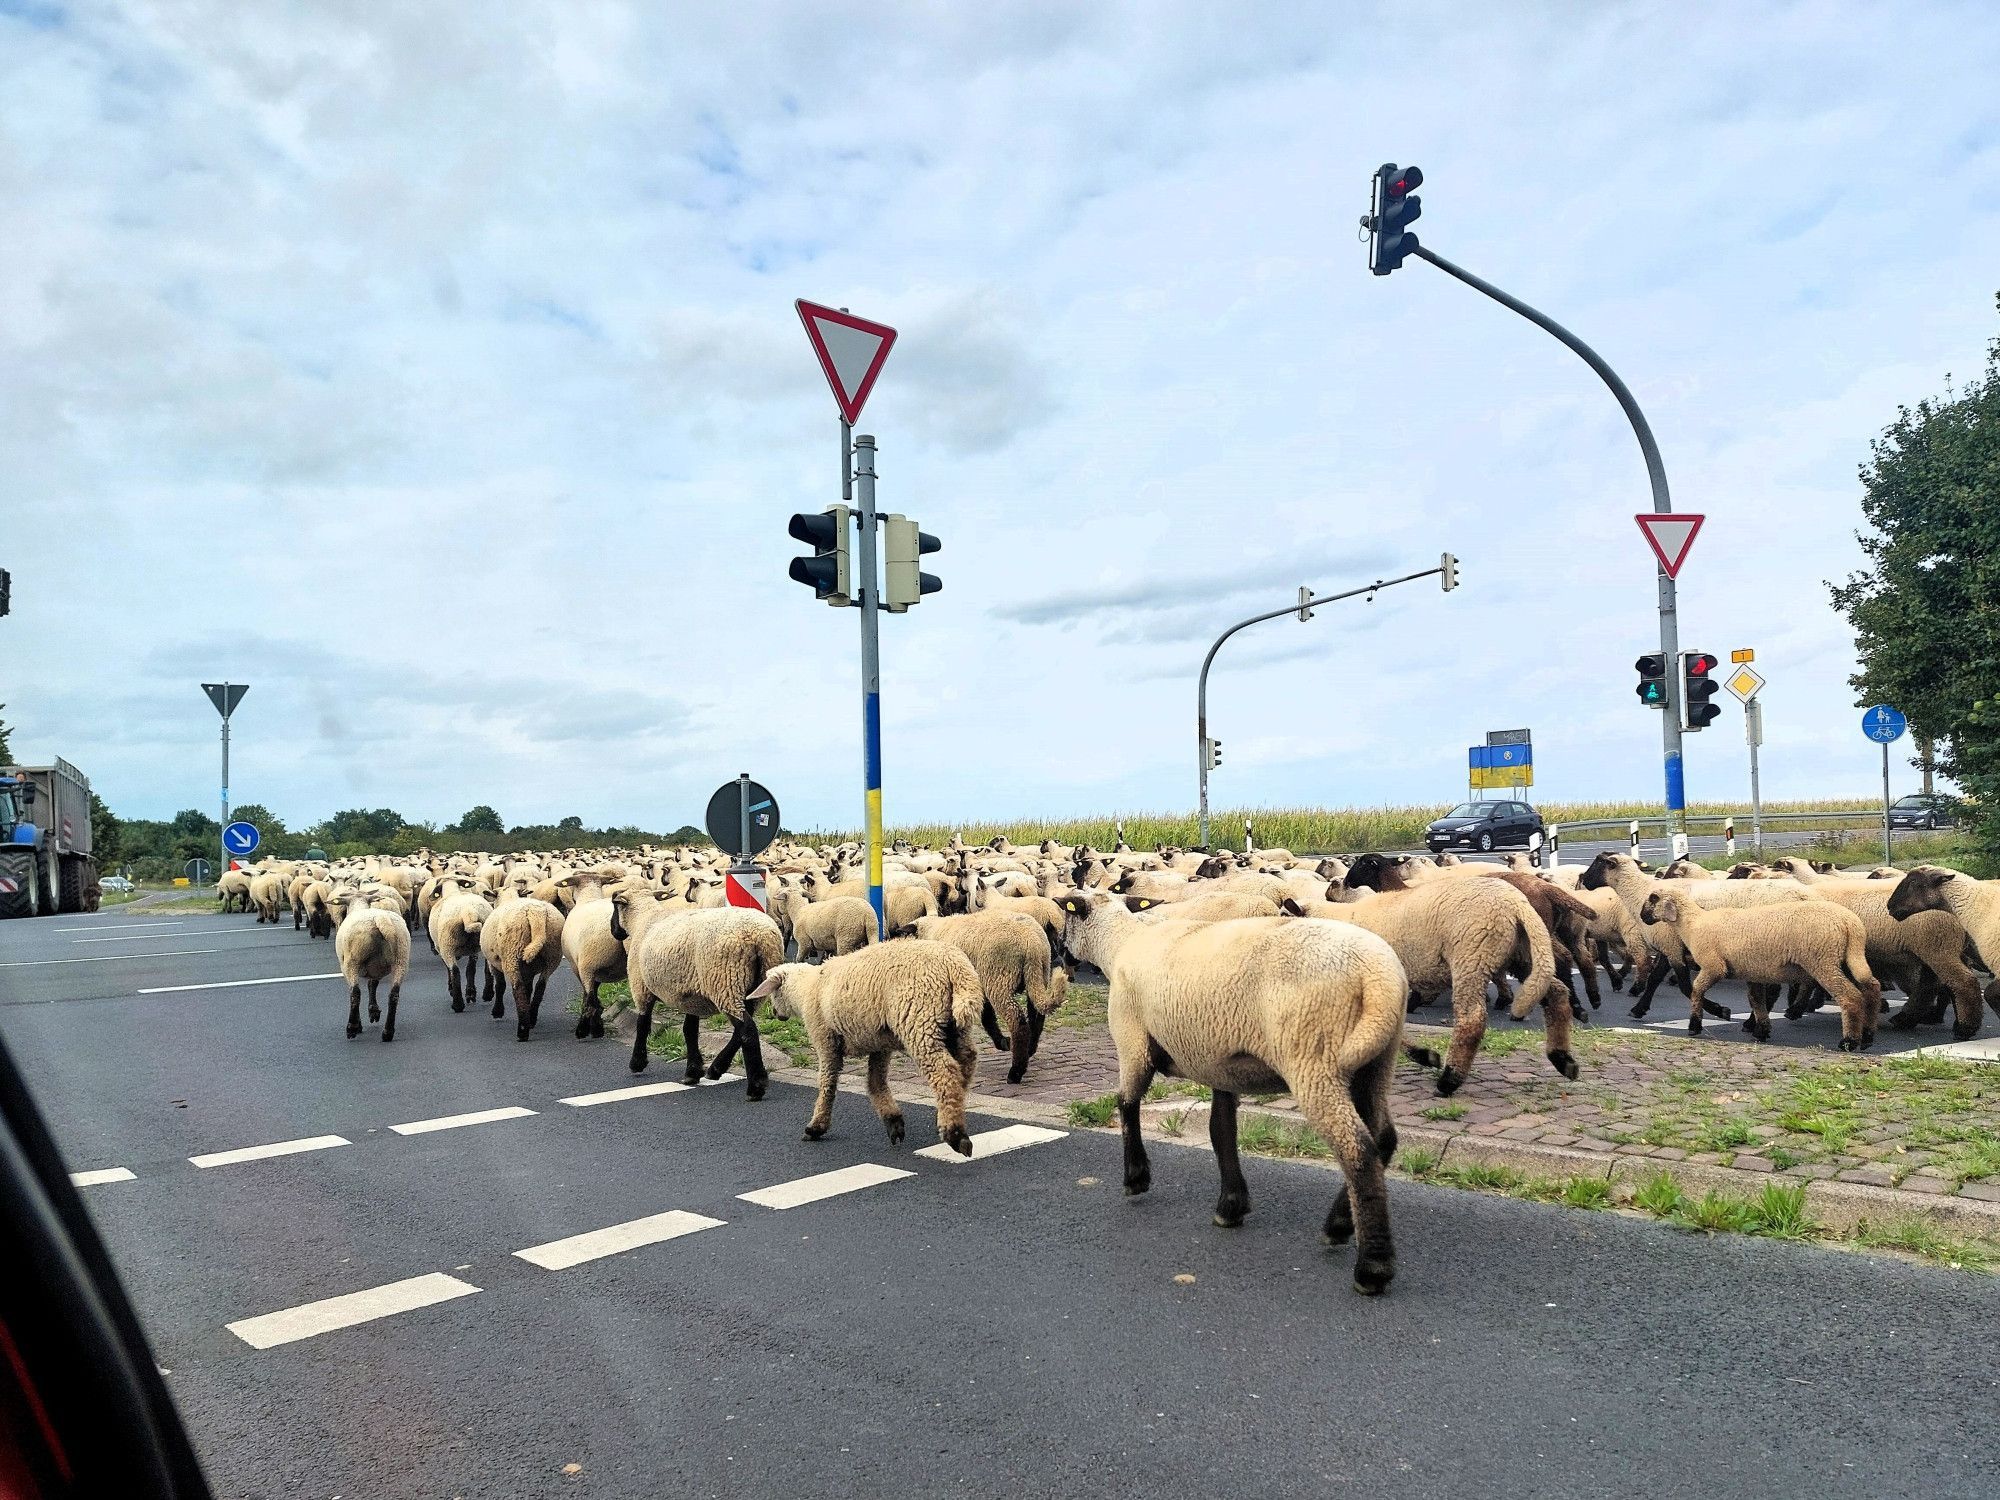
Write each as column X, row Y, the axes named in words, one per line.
column 45, row 859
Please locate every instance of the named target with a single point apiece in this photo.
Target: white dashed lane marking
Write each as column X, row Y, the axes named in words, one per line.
column 560, row 1255
column 117, row 926
column 100, row 1176
column 311, row 1319
column 453, row 1122
column 824, row 1185
column 124, row 958
column 275, row 1148
column 987, row 1143
column 140, row 937
column 221, row 984
column 613, row 1096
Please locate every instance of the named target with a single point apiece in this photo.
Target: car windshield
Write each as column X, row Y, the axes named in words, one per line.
column 1468, row 810
column 1920, row 803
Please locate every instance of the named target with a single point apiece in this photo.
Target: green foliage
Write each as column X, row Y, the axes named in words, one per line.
column 1099, row 1111
column 1660, row 1196
column 1418, row 1161
column 1587, row 1192
column 1926, row 632
column 6, row 754
column 1443, row 1112
column 481, row 819
column 106, row 834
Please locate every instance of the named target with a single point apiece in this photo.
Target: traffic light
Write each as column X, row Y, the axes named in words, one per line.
column 1211, row 754
column 1652, row 689
column 1448, row 572
column 6, row 591
column 1393, row 210
column 830, row 569
column 902, row 583
column 1697, row 687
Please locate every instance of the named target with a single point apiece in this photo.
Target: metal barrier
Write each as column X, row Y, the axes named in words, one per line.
column 1665, row 840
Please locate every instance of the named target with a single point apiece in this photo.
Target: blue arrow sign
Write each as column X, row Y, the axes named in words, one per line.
column 241, row 838
column 1883, row 724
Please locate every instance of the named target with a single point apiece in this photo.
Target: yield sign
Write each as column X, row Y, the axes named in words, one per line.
column 851, row 350
column 1669, row 536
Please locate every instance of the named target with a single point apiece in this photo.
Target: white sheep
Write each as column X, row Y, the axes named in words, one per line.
column 522, row 945
column 1011, row 954
column 1263, row 1003
column 454, row 928
column 1976, row 904
column 911, row 996
column 370, row 942
column 703, row 963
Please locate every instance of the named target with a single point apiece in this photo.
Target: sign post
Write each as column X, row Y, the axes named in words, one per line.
column 851, row 353
column 225, row 696
column 1884, row 725
column 1746, row 682
column 742, row 818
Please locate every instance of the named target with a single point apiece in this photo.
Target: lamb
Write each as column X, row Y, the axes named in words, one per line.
column 703, row 963
column 1011, row 955
column 267, row 894
column 1976, row 904
column 1613, row 928
column 371, row 943
column 1461, row 933
column 1773, row 945
column 522, row 945
column 595, row 956
column 1313, row 1008
column 833, row 927
column 1045, row 911
column 1918, row 953
column 912, row 996
column 454, row 928
column 234, row 889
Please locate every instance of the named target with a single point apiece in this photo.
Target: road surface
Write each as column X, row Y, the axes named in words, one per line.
column 1007, row 1326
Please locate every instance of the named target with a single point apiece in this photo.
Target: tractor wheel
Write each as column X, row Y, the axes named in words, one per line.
column 74, row 877
column 20, row 889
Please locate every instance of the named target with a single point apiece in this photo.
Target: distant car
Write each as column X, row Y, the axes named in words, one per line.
column 115, row 883
column 1484, row 826
column 1920, row 811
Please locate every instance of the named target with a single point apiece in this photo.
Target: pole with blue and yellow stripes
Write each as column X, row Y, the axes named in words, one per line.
column 863, row 456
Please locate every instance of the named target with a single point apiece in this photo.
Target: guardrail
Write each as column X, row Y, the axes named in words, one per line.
column 1724, row 824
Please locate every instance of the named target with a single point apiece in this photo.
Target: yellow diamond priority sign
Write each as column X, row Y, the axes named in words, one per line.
column 1744, row 683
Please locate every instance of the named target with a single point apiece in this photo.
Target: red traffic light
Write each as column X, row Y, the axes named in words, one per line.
column 1699, row 663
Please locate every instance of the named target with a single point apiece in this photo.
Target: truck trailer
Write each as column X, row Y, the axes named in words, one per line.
column 45, row 858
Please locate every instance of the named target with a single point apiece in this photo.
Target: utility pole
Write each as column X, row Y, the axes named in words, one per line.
column 870, row 590
column 225, row 696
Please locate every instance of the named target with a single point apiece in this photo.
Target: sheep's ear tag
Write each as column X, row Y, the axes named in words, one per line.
column 1144, row 902
column 1070, row 905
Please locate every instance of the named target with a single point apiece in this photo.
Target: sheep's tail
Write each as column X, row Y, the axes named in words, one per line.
column 1377, row 1029
column 963, row 1003
column 1541, row 963
column 538, row 927
column 1854, row 964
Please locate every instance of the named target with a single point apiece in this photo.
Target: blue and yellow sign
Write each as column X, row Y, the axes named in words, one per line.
column 1491, row 767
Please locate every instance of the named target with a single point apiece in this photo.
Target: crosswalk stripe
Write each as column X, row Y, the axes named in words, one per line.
column 220, row 984
column 311, row 1319
column 101, row 1175
column 987, row 1143
column 560, row 1255
column 824, row 1185
column 453, row 1122
column 274, row 1148
column 613, row 1096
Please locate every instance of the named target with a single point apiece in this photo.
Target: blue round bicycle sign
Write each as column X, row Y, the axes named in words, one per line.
column 241, row 838
column 1883, row 724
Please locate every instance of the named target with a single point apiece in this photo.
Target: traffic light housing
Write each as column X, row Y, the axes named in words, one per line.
column 1698, row 686
column 1448, row 571
column 830, row 570
column 903, row 584
column 1211, row 754
column 1652, row 688
column 1394, row 208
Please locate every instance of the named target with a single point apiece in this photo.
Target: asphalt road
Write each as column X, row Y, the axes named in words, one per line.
column 1009, row 1325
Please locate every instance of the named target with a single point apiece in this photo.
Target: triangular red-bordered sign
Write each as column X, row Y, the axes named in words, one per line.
column 1670, row 537
column 851, row 351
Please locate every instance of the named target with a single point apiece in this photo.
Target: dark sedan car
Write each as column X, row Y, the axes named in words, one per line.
column 1920, row 811
column 1484, row 826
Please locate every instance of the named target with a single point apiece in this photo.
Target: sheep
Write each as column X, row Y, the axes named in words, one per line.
column 1461, row 933
column 1568, row 922
column 703, row 963
column 522, row 945
column 904, row 897
column 595, row 956
column 372, row 943
column 911, row 996
column 267, row 894
column 1313, row 1008
column 1011, row 954
column 1917, row 953
column 1773, row 945
column 833, row 927
column 1613, row 927
column 1218, row 906
column 1046, row 912
column 454, row 929
column 295, row 896
column 1976, row 904
column 234, row 889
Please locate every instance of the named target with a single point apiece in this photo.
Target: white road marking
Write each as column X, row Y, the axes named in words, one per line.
column 987, row 1143
column 311, row 1319
column 117, row 926
column 220, row 984
column 140, row 937
column 613, row 1096
column 101, row 1175
column 452, row 1122
column 118, row 958
column 560, row 1255
column 274, row 1148
column 824, row 1185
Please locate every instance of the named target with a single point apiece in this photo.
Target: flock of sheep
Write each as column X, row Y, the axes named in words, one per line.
column 1247, row 973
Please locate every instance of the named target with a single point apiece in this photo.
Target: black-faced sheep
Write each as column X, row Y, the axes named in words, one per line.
column 1010, row 952
column 372, row 943
column 521, row 942
column 454, row 927
column 703, row 963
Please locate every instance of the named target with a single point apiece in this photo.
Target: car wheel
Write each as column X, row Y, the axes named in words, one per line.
column 1485, row 843
column 1931, row 822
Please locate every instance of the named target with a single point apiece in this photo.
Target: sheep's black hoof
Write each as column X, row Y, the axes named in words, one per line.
column 818, row 1132
column 1229, row 1211
column 582, row 1027
column 1577, row 1013
column 958, row 1140
column 1965, row 1033
column 1762, row 1033
column 1564, row 1064
column 499, row 1009
column 389, row 1033
column 1139, row 1182
column 1449, row 1080
column 1847, row 1044
column 597, row 1026
column 1016, row 1073
column 1694, row 1025
column 1423, row 1057
column 1638, row 1012
column 521, row 1030
column 353, row 1029
column 715, row 1069
column 374, row 1012
column 1906, row 1019
column 754, row 1089
column 1372, row 1276
column 893, row 1124
column 458, row 1005
column 1617, row 986
column 638, row 1063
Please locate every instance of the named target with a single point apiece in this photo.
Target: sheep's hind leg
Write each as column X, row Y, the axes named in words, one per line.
column 500, row 984
column 1364, row 1205
column 354, row 1010
column 640, row 1032
column 691, row 1040
column 1136, row 1067
column 1235, row 1200
column 1468, row 1028
column 374, row 1009
column 1020, row 1040
column 592, row 1010
column 944, row 1071
column 389, row 1026
column 757, row 1077
column 832, row 1053
column 887, row 1110
column 991, row 1022
column 451, row 982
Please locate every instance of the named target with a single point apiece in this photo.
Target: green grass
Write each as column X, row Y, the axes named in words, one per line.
column 1444, row 1112
column 1177, row 1088
column 1418, row 1161
column 1099, row 1111
column 790, row 1037
column 1266, row 1136
column 665, row 1039
column 1587, row 1192
column 1848, row 848
column 1915, row 1237
column 1087, row 1005
column 1660, row 1196
column 118, row 898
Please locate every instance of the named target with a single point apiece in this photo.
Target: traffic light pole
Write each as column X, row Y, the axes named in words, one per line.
column 1670, row 644
column 868, row 587
column 1298, row 607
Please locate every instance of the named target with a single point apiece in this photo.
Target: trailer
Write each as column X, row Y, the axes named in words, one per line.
column 45, row 852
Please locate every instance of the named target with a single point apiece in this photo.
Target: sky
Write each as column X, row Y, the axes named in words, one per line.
column 433, row 369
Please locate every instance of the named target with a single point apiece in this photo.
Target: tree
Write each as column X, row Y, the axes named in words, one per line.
column 106, row 833
column 481, row 819
column 6, row 755
column 1927, row 633
column 356, row 826
column 267, row 823
column 571, row 824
